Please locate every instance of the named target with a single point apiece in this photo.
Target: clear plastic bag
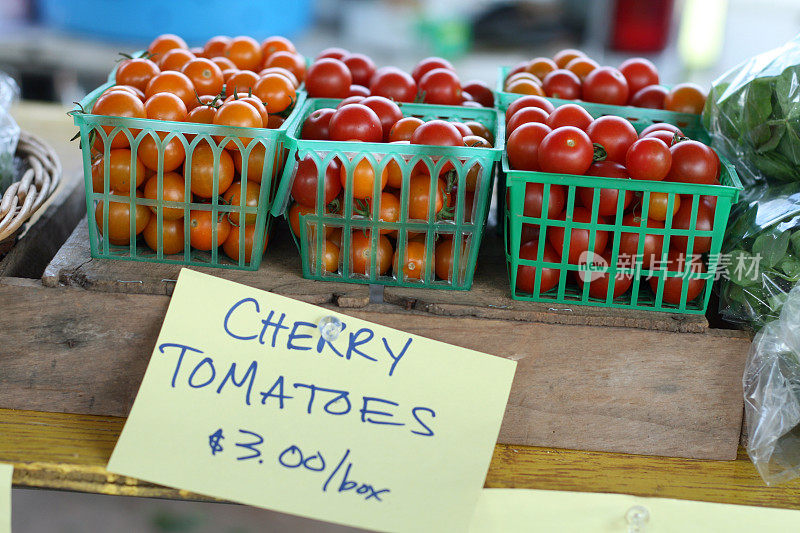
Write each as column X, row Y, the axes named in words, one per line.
column 9, row 131
column 753, row 115
column 772, row 395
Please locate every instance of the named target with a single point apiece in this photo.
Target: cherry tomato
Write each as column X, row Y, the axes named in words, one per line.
column 659, row 205
column 231, row 246
column 648, row 159
column 629, row 242
column 328, row 78
column 201, row 171
column 136, row 72
column 330, row 256
column 388, row 210
column 440, row 86
column 582, row 66
column 526, row 87
column 306, row 178
column 255, row 163
column 298, row 210
column 606, row 85
column 480, row 92
column 355, row 99
column 651, row 97
column 534, row 198
column 317, row 125
column 570, row 115
column 259, row 106
column 361, row 253
column 358, row 90
column 521, row 76
column 667, row 136
column 128, row 88
column 233, row 197
column 439, row 133
column 356, row 122
column 579, row 238
column 238, row 114
column 523, row 145
column 615, row 134
column 660, row 126
column 165, row 106
column 526, row 115
column 276, row 91
column 563, row 57
column 462, row 128
column 428, row 64
column 363, row 179
column 276, row 43
column 528, row 101
column 333, row 52
column 215, row 47
column 164, row 43
column 444, row 257
column 283, row 72
column 174, row 190
column 243, row 81
column 639, row 73
column 480, row 130
column 201, row 226
column 119, row 171
column 526, row 275
column 119, row 217
column 693, row 162
column 413, row 264
column 361, row 67
column 541, row 67
column 175, row 59
column 394, row 173
column 174, row 153
column 599, row 281
column 388, row 112
column 393, row 84
column 173, row 82
column 205, row 75
column 245, row 52
column 566, row 150
column 172, row 241
column 419, row 197
column 562, row 83
column 673, row 285
column 119, row 104
column 294, row 63
column 704, row 221
column 686, row 98
column 403, row 129
column 608, row 197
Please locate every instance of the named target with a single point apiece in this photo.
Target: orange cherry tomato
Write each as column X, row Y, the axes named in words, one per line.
column 388, row 210
column 419, row 198
column 363, row 179
column 119, row 172
column 294, row 63
column 165, row 106
column 525, row 87
column 444, row 258
column 215, row 47
column 295, row 212
column 119, row 104
column 174, row 187
column 233, row 198
column 173, row 82
column 239, row 114
column 563, row 57
column 657, row 209
column 201, row 226
column 201, row 171
column 330, row 256
column 232, row 247
column 175, row 59
column 414, row 260
column 361, row 253
column 172, row 238
column 243, row 81
column 136, row 72
column 205, row 75
column 174, row 153
column 276, row 91
column 524, row 75
column 283, row 72
column 541, row 67
column 119, row 218
column 686, row 98
column 582, row 66
column 164, row 43
column 404, row 128
column 223, row 63
column 245, row 52
column 276, row 43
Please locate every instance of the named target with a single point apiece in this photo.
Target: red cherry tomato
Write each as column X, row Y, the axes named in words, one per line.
column 306, row 179
column 693, row 162
column 629, row 242
column 393, row 84
column 481, row 92
column 356, row 122
column 534, row 200
column 361, row 67
column 317, row 125
column 388, row 112
column 437, row 132
column 566, row 150
column 440, row 86
column 523, row 145
column 639, row 73
column 526, row 275
column 570, row 115
column 526, row 115
column 579, row 237
column 660, row 126
column 355, row 99
column 615, row 134
column 608, row 197
column 648, row 159
column 328, row 78
column 428, row 64
column 673, row 285
column 334, row 53
column 651, row 97
column 599, row 281
column 358, row 90
column 667, row 136
column 562, row 83
column 606, row 85
column 704, row 221
column 529, row 101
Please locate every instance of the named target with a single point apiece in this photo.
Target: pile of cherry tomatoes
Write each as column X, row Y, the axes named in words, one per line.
column 568, row 140
column 228, row 82
column 571, row 75
column 377, row 119
column 337, row 73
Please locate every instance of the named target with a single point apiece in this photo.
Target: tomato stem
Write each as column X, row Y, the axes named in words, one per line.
column 600, row 153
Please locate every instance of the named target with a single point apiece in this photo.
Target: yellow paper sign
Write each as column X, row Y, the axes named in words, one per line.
column 245, row 399
column 534, row 511
column 6, row 471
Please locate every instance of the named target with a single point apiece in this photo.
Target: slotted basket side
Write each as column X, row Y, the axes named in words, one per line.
column 25, row 196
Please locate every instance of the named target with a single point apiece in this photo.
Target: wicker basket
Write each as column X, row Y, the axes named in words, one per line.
column 39, row 176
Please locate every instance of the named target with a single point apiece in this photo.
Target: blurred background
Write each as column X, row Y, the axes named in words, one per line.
column 59, row 50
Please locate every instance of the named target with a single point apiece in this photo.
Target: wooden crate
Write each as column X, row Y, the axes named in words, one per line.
column 631, row 382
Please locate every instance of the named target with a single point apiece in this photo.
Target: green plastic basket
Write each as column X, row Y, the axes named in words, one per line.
column 634, row 114
column 466, row 227
column 98, row 129
column 640, row 295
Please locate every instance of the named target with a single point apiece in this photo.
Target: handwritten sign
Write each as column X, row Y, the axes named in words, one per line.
column 518, row 511
column 6, row 472
column 247, row 398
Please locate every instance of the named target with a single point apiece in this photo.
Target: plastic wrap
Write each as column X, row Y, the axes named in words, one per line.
column 753, row 115
column 772, row 395
column 9, row 131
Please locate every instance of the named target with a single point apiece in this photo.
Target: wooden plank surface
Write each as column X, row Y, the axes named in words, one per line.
column 584, row 387
column 69, row 452
column 280, row 272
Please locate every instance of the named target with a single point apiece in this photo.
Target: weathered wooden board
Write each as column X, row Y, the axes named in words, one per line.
column 584, row 387
column 280, row 272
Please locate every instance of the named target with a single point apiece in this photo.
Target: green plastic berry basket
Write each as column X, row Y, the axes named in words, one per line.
column 634, row 114
column 640, row 295
column 245, row 148
column 454, row 238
